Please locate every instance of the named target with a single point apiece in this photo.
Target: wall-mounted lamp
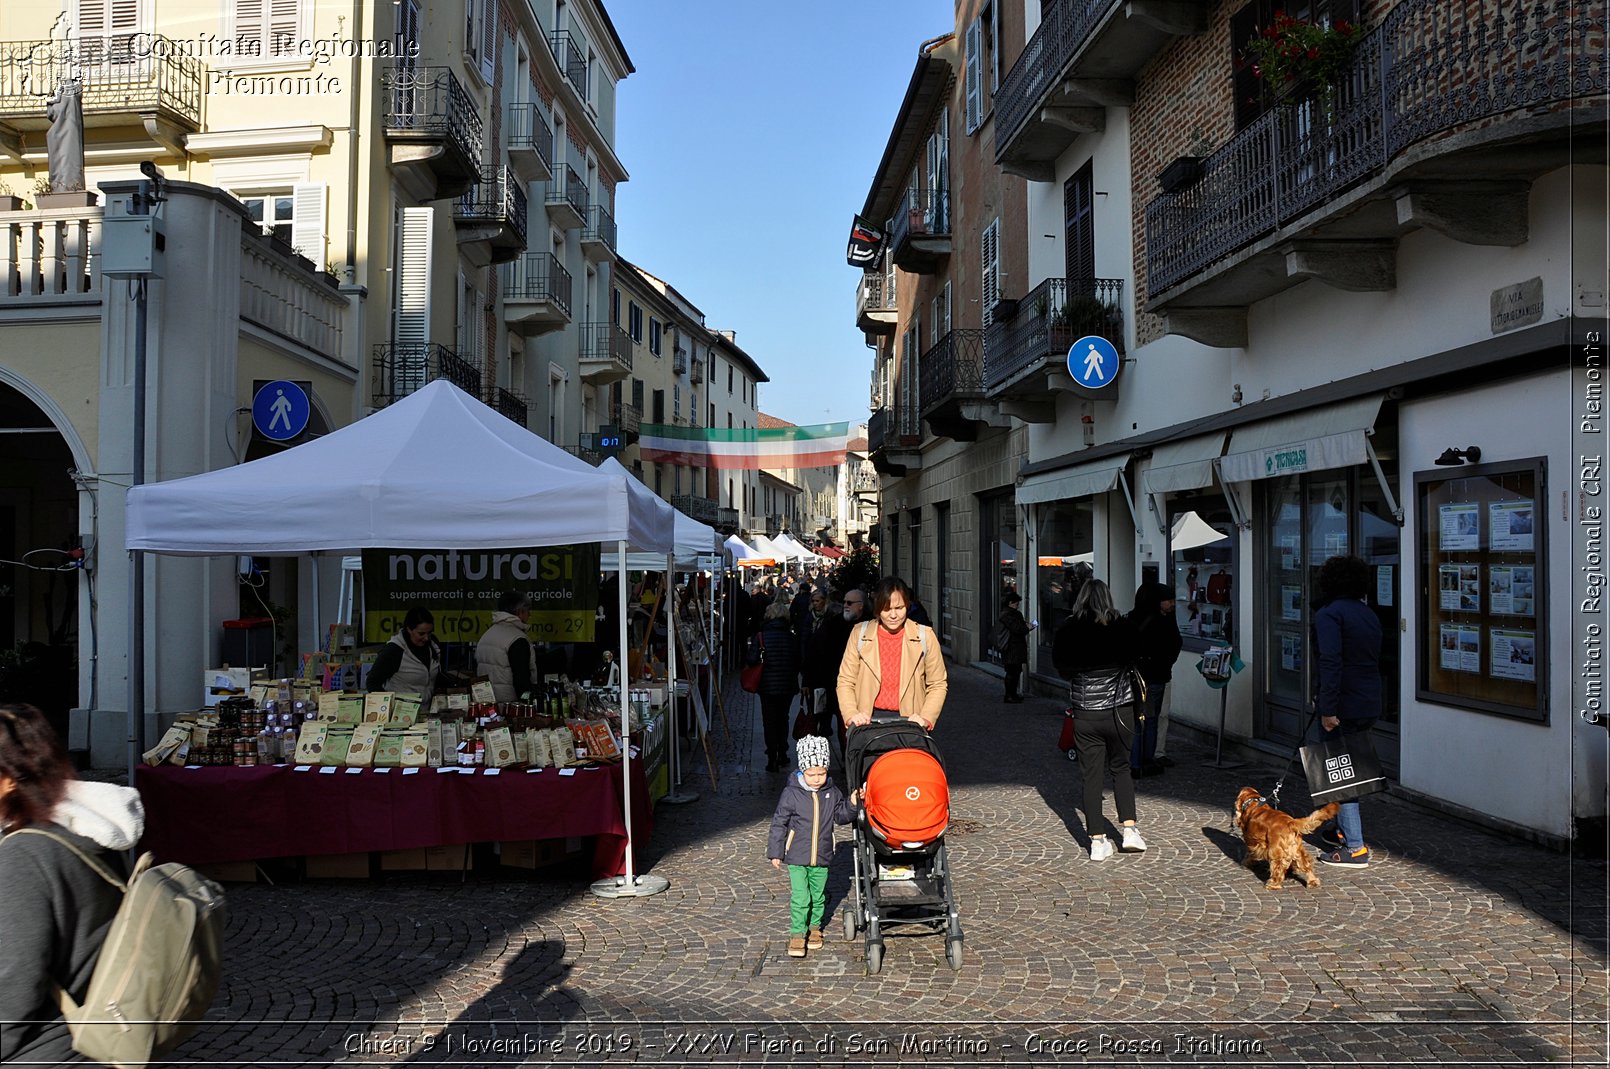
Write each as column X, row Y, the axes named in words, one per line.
column 1452, row 457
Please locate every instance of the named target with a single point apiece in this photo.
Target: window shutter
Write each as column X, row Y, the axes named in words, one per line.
column 991, row 274
column 125, row 16
column 412, row 317
column 284, row 22
column 995, row 47
column 307, row 221
column 975, row 103
column 489, row 39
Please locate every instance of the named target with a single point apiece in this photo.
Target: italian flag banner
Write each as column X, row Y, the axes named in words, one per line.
column 819, row 446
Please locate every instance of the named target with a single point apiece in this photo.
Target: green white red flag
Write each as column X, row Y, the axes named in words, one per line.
column 820, row 445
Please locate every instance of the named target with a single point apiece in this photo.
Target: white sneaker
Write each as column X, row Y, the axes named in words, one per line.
column 1133, row 843
column 1101, row 848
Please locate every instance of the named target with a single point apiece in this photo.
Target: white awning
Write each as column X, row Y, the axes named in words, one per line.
column 1066, row 484
column 1183, row 465
column 1315, row 439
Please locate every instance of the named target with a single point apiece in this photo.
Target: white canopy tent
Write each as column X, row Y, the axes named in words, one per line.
column 796, row 552
column 765, row 547
column 740, row 549
column 436, row 470
column 691, row 538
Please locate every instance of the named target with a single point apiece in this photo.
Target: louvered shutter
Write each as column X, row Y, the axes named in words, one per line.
column 489, row 39
column 991, row 274
column 284, row 24
column 249, row 27
column 307, row 220
column 975, row 89
column 411, row 318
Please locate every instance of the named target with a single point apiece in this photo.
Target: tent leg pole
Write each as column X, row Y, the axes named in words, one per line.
column 630, row 885
column 137, row 557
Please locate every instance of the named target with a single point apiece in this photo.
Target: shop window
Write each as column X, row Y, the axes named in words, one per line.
column 1065, row 557
column 1483, row 640
column 1203, row 568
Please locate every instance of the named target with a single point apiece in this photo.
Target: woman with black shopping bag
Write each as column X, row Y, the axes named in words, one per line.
column 1095, row 652
column 1347, row 643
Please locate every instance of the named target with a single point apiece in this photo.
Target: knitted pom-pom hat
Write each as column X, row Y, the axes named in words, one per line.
column 813, row 752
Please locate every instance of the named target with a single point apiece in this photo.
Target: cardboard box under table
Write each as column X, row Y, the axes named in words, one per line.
column 202, row 816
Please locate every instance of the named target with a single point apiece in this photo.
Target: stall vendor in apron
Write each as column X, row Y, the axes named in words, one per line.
column 505, row 655
column 411, row 663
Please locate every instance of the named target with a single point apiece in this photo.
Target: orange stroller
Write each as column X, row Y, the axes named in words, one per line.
column 902, row 869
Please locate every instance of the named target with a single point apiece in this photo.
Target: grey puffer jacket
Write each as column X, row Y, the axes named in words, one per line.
column 57, row 915
column 802, row 827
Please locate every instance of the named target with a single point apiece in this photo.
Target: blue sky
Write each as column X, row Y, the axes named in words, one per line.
column 751, row 131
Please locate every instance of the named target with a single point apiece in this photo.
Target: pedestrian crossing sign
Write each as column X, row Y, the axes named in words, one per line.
column 280, row 410
column 1093, row 362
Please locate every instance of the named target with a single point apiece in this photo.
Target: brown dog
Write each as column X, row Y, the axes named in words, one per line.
column 1276, row 837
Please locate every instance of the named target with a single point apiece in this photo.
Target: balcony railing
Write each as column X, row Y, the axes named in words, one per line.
column 430, row 101
column 870, row 296
column 528, row 129
column 695, row 507
column 132, row 73
column 679, row 362
column 922, row 213
column 405, row 367
column 1431, row 66
column 606, row 342
column 627, row 416
column 600, row 227
column 280, row 293
column 1063, row 28
column 591, row 456
column 878, row 428
column 537, row 276
column 569, row 189
column 696, row 372
column 497, row 200
column 508, row 404
column 50, row 253
column 572, row 62
column 1054, row 315
column 952, row 370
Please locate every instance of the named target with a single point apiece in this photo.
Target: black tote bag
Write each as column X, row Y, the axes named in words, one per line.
column 1342, row 769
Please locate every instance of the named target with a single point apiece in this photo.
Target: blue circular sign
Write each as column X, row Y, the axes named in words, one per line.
column 1093, row 362
column 280, row 410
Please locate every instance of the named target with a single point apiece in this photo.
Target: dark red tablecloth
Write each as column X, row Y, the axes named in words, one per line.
column 199, row 816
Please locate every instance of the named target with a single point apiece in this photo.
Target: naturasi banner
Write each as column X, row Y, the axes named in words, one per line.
column 461, row 589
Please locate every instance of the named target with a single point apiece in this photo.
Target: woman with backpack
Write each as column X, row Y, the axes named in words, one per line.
column 58, row 909
column 1012, row 639
column 892, row 666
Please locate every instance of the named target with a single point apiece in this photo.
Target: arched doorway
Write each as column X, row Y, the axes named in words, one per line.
column 39, row 579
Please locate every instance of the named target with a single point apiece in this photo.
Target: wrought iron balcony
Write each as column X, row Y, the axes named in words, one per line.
column 679, row 362
column 1032, row 344
column 893, row 437
column 567, row 199
column 432, row 129
column 508, row 404
column 598, row 235
column 606, row 353
column 874, row 305
column 726, row 519
column 695, row 507
column 627, row 416
column 405, row 367
column 696, row 372
column 587, row 453
column 919, row 233
column 126, row 80
column 951, row 385
column 530, row 141
column 1431, row 68
column 572, row 61
column 536, row 293
column 491, row 219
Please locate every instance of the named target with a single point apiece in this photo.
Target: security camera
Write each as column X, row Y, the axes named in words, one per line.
column 150, row 171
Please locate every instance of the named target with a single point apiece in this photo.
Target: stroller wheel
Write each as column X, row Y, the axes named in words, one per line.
column 849, row 925
column 874, row 958
column 953, row 953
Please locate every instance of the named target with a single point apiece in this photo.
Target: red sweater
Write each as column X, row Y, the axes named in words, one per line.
column 889, row 643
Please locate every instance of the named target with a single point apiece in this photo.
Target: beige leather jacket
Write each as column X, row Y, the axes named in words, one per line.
column 923, row 679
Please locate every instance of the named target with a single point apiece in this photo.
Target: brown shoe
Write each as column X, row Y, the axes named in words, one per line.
column 814, row 940
column 796, row 946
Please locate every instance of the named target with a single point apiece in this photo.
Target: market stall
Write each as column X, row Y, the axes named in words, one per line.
column 438, row 470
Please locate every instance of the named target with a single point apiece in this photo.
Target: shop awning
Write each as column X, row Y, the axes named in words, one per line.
column 1183, row 465
column 1316, row 439
column 1066, row 484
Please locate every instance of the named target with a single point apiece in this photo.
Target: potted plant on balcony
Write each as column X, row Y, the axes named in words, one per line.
column 1295, row 57
column 9, row 201
column 47, row 196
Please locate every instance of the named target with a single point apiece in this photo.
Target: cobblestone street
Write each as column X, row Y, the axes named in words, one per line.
column 1456, row 946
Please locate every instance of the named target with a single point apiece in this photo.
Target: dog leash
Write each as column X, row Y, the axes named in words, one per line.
column 1274, row 796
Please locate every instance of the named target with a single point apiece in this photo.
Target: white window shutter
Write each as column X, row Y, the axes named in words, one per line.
column 991, row 274
column 307, row 220
column 489, row 39
column 412, row 317
column 975, row 103
column 125, row 17
column 248, row 27
column 284, row 26
column 94, row 17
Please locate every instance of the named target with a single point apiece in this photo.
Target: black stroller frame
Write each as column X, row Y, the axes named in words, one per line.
column 928, row 899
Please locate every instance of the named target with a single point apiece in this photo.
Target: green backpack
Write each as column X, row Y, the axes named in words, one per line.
column 159, row 966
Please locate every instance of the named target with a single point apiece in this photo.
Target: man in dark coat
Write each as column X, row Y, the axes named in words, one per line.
column 1015, row 654
column 1157, row 648
column 822, row 653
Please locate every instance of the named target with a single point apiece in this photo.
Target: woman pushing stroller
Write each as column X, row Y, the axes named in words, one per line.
column 892, row 665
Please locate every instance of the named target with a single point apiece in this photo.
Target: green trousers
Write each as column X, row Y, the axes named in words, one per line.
column 807, row 897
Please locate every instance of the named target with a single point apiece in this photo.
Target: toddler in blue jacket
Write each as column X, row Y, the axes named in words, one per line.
column 802, row 837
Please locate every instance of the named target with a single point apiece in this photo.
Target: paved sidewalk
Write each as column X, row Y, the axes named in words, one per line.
column 1455, row 947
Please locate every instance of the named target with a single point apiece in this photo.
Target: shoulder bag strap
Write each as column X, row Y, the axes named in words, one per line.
column 85, row 858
